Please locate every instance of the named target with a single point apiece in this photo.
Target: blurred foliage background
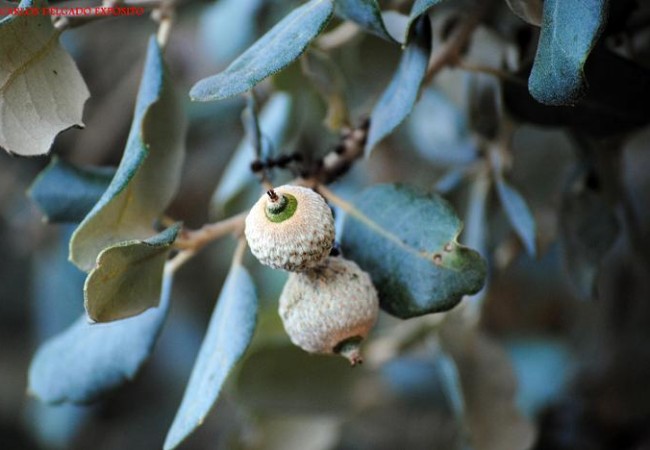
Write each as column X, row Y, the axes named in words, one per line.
column 572, row 322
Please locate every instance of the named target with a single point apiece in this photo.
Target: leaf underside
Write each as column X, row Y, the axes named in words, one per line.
column 148, row 175
column 41, row 90
column 67, row 193
column 128, row 277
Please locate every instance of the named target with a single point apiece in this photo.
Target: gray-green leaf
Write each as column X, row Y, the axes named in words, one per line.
column 273, row 124
column 128, row 277
column 570, row 29
column 406, row 240
column 148, row 175
column 88, row 360
column 278, row 48
column 41, row 90
column 518, row 213
column 398, row 99
column 229, row 334
column 419, row 8
column 67, row 193
column 365, row 13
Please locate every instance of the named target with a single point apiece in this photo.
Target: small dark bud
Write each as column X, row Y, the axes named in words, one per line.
column 283, row 160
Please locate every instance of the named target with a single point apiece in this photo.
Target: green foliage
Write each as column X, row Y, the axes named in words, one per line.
column 518, row 213
column 406, row 241
column 88, row 360
column 399, row 98
column 273, row 124
column 67, row 193
column 229, row 333
column 278, row 48
column 34, row 66
column 570, row 30
column 127, row 278
column 148, row 175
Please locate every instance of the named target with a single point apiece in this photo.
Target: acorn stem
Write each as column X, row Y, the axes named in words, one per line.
column 350, row 350
column 280, row 207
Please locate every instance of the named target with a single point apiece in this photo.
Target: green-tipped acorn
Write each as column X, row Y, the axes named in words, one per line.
column 280, row 208
column 290, row 228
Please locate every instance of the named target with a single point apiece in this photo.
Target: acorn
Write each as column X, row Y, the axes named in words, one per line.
column 330, row 309
column 290, row 228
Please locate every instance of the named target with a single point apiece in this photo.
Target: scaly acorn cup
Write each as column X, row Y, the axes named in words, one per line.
column 330, row 309
column 290, row 228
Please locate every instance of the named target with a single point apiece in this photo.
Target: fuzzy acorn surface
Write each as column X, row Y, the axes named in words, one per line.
column 290, row 228
column 330, row 309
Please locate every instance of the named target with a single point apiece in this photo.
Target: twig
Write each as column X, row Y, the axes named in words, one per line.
column 449, row 52
column 178, row 261
column 165, row 18
column 197, row 239
column 238, row 256
column 192, row 242
column 498, row 73
column 335, row 199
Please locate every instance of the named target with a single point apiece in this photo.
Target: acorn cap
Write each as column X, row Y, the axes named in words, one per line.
column 330, row 309
column 290, row 228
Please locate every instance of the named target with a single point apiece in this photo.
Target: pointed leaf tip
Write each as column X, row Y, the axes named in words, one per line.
column 128, row 277
column 88, row 360
column 406, row 241
column 274, row 51
column 399, row 98
column 569, row 32
column 229, row 333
